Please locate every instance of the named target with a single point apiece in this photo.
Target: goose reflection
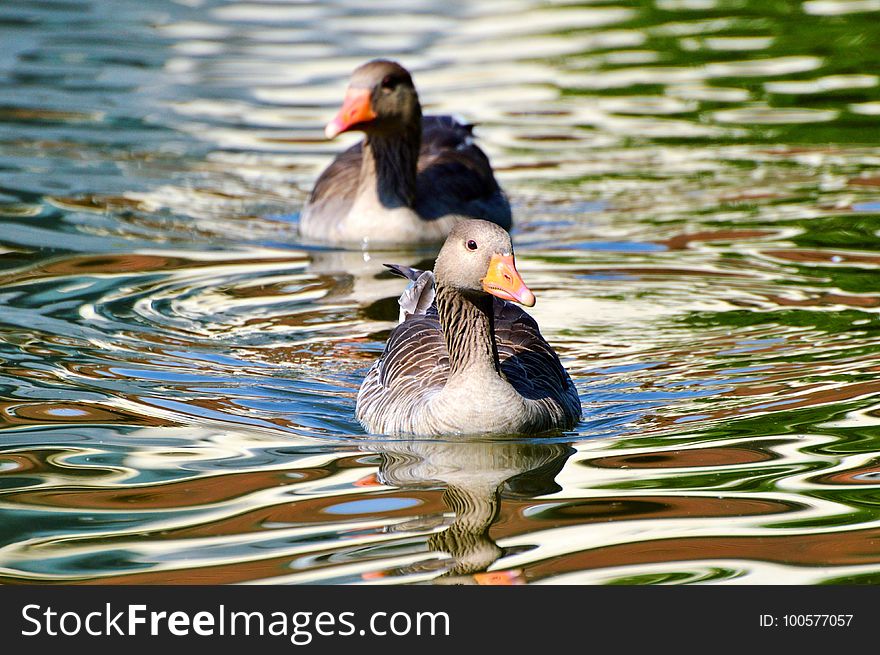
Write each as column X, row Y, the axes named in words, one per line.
column 477, row 478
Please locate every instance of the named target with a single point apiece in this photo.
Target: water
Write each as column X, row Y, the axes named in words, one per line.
column 696, row 186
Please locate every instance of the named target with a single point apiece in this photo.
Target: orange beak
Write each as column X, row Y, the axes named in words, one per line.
column 503, row 280
column 356, row 109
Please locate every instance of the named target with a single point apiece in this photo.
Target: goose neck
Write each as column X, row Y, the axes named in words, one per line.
column 467, row 321
column 389, row 167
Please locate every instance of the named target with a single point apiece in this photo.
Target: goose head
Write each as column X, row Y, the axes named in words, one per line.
column 381, row 98
column 477, row 259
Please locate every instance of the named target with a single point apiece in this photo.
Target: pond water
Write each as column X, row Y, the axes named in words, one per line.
column 696, row 190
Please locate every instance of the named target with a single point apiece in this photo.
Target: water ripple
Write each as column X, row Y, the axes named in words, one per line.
column 697, row 212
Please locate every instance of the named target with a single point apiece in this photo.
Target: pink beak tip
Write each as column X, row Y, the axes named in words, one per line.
column 332, row 129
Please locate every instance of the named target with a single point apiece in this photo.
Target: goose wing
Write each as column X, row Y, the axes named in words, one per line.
column 530, row 363
column 455, row 175
column 335, row 190
column 414, row 364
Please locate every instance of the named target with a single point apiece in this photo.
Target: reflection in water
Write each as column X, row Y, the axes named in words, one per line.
column 697, row 208
column 475, row 477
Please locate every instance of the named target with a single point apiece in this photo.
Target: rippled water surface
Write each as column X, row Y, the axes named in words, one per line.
column 696, row 188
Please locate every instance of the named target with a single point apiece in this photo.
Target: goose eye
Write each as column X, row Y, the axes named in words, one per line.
column 471, row 245
column 389, row 82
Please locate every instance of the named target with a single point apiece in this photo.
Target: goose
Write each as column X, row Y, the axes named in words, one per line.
column 465, row 359
column 409, row 180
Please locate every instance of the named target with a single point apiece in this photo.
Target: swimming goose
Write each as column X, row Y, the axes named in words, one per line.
column 465, row 360
column 410, row 179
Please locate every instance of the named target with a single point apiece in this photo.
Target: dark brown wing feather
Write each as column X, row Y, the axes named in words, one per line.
column 460, row 182
column 416, row 353
column 445, row 132
column 530, row 363
column 455, row 175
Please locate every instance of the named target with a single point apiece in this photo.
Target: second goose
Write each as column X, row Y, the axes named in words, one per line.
column 409, row 180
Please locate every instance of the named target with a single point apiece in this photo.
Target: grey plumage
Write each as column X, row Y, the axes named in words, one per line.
column 411, row 178
column 409, row 389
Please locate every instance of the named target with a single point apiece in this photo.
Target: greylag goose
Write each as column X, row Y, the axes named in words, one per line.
column 410, row 179
column 464, row 360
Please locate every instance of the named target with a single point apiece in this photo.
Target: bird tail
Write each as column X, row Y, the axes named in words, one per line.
column 418, row 297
